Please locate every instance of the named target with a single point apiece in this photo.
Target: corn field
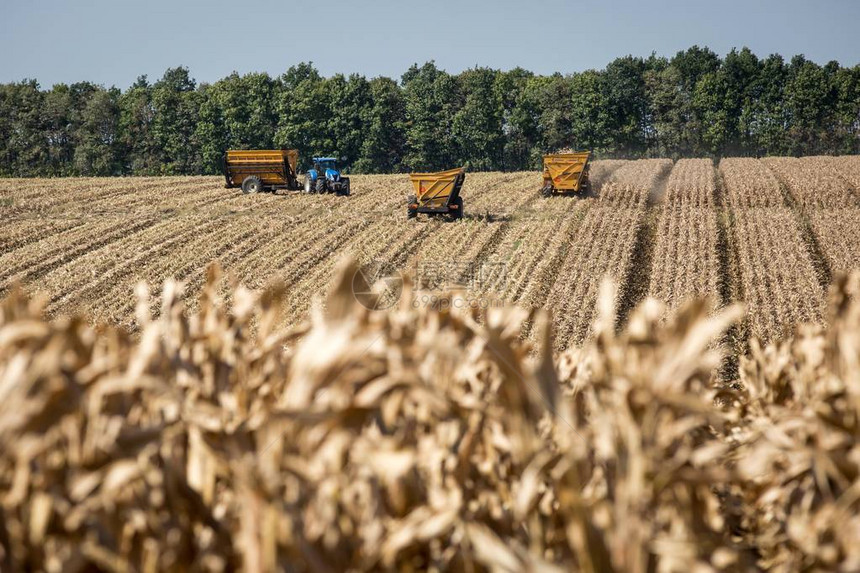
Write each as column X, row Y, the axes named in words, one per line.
column 419, row 439
column 659, row 376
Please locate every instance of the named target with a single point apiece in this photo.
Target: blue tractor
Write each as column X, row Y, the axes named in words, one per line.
column 326, row 178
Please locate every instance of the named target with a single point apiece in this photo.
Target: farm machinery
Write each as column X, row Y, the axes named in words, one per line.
column 437, row 193
column 326, row 177
column 259, row 170
column 566, row 173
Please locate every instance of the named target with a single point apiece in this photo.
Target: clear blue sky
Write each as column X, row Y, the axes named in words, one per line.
column 113, row 41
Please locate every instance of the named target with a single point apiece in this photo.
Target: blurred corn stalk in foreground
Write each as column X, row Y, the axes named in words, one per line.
column 421, row 439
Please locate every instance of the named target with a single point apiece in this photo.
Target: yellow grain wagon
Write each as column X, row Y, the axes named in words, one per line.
column 566, row 173
column 256, row 170
column 437, row 193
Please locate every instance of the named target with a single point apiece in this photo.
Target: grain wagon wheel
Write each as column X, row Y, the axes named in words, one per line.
column 457, row 213
column 410, row 212
column 586, row 188
column 252, row 184
column 546, row 191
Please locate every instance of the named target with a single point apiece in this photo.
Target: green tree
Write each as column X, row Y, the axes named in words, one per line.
column 58, row 129
column 351, row 101
column 845, row 135
column 432, row 98
column 140, row 153
column 519, row 119
column 97, row 149
column 176, row 103
column 589, row 120
column 552, row 98
column 770, row 119
column 210, row 135
column 302, row 107
column 477, row 126
column 666, row 112
column 627, row 105
column 237, row 112
column 384, row 145
column 807, row 104
column 684, row 120
column 742, row 69
column 26, row 147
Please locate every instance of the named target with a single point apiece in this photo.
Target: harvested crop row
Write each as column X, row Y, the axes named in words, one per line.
column 72, row 186
column 453, row 257
column 539, row 241
column 158, row 197
column 526, row 253
column 291, row 246
column 499, row 195
column 74, row 283
column 632, row 183
column 838, row 234
column 227, row 243
column 691, row 183
column 602, row 245
column 779, row 283
column 811, row 185
column 750, row 183
column 685, row 262
column 391, row 248
column 18, row 232
column 409, row 238
column 848, row 167
column 396, row 247
column 47, row 198
column 35, row 259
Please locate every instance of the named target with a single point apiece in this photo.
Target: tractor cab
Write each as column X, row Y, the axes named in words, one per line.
column 327, row 167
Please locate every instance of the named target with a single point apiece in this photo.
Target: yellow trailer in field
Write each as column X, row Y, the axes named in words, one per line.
column 566, row 173
column 437, row 193
column 256, row 170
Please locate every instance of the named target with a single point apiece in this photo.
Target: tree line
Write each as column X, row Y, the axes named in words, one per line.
column 693, row 104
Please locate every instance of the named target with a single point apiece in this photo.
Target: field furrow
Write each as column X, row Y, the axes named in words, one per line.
column 685, row 261
column 632, row 183
column 21, row 232
column 601, row 246
column 226, row 243
column 838, row 234
column 810, row 185
column 750, row 183
column 780, row 285
column 36, row 259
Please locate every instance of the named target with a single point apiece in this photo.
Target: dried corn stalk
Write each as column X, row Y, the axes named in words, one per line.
column 420, row 439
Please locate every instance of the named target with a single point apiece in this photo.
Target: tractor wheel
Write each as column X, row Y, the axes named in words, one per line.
column 458, row 212
column 320, row 186
column 308, row 185
column 252, row 184
column 344, row 190
column 410, row 212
